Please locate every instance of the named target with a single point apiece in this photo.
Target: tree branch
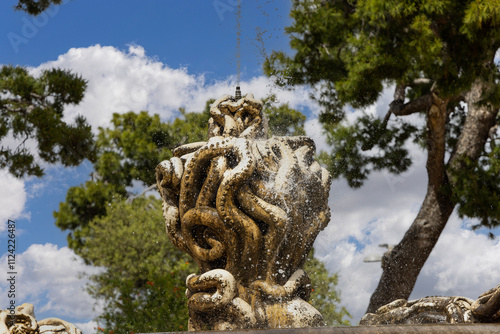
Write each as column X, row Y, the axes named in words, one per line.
column 478, row 127
column 399, row 108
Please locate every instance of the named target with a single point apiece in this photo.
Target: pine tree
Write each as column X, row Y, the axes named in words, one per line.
column 32, row 110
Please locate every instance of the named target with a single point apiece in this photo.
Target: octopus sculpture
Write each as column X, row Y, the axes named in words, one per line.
column 247, row 209
column 22, row 321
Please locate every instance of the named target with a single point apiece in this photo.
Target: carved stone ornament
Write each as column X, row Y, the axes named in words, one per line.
column 452, row 310
column 22, row 321
column 247, row 209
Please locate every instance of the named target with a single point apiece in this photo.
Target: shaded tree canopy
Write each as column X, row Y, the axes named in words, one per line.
column 31, row 109
column 438, row 58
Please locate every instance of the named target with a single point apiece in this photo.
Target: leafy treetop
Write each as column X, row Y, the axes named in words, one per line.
column 32, row 109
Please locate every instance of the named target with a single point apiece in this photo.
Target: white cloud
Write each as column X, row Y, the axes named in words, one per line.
column 121, row 81
column 87, row 327
column 314, row 129
column 12, row 200
column 464, row 262
column 49, row 277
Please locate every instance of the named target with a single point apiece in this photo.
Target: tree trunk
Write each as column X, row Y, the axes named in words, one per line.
column 402, row 265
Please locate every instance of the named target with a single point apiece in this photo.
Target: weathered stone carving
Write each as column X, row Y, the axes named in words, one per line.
column 23, row 321
column 247, row 209
column 452, row 310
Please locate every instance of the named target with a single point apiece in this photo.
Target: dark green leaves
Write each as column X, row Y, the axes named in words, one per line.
column 365, row 146
column 477, row 189
column 32, row 109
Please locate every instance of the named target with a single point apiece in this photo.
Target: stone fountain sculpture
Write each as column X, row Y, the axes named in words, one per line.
column 21, row 320
column 247, row 209
column 437, row 309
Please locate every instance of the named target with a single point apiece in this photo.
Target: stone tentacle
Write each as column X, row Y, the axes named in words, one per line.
column 452, row 310
column 22, row 321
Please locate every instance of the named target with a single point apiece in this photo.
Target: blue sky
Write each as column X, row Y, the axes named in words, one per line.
column 198, row 34
column 160, row 55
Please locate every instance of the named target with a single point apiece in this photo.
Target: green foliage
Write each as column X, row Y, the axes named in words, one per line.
column 351, row 50
column 350, row 144
column 478, row 189
column 325, row 297
column 480, row 14
column 32, row 109
column 362, row 45
column 142, row 282
column 83, row 204
column 35, row 7
column 131, row 148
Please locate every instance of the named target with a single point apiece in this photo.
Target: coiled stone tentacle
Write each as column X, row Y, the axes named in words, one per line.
column 297, row 285
column 275, row 220
column 236, row 312
column 487, row 306
column 242, row 118
column 168, row 176
column 229, row 212
column 218, row 279
column 214, row 177
column 216, row 235
column 192, row 180
column 22, row 320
